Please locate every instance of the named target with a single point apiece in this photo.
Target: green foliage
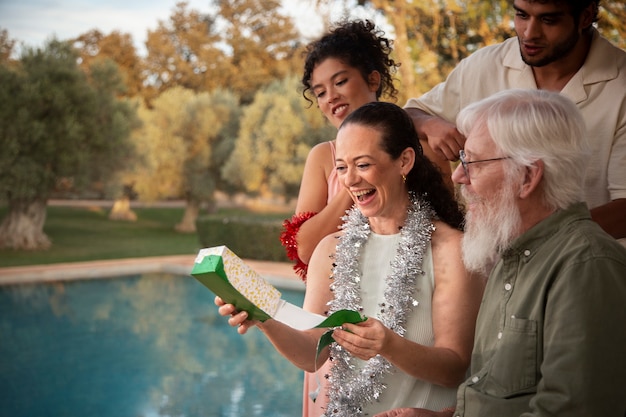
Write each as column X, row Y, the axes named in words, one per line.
column 184, row 139
column 54, row 123
column 229, row 113
column 114, row 121
column 210, row 120
column 275, row 137
column 248, row 237
column 161, row 174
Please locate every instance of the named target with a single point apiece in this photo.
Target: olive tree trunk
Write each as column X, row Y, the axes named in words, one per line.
column 188, row 222
column 22, row 228
column 121, row 210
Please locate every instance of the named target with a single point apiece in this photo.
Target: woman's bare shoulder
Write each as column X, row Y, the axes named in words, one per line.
column 322, row 259
column 329, row 242
column 446, row 249
column 321, row 150
column 320, row 160
column 445, row 234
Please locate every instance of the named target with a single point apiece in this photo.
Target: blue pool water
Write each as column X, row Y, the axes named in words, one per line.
column 140, row 346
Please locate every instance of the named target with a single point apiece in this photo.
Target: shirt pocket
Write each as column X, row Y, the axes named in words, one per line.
column 513, row 368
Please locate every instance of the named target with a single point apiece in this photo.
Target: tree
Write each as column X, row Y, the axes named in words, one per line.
column 262, row 44
column 241, row 46
column 275, row 137
column 94, row 46
column 159, row 175
column 54, row 124
column 612, row 17
column 184, row 138
column 116, row 49
column 6, row 46
column 185, row 51
column 207, row 125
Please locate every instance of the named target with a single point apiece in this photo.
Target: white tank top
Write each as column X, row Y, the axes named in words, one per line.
column 402, row 389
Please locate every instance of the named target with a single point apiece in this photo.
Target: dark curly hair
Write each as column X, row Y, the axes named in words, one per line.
column 358, row 44
column 397, row 134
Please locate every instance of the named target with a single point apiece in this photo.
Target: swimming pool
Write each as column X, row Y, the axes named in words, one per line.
column 144, row 345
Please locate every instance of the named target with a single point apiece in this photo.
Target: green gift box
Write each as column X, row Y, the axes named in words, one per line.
column 228, row 277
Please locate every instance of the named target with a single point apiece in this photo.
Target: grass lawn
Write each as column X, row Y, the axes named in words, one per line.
column 85, row 234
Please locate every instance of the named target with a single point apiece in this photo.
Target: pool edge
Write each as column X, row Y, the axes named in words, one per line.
column 278, row 274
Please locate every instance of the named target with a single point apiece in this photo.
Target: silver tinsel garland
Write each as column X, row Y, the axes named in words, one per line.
column 350, row 388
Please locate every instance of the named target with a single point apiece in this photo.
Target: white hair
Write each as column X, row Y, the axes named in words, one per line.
column 532, row 125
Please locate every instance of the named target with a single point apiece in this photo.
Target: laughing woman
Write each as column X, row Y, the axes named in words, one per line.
column 397, row 260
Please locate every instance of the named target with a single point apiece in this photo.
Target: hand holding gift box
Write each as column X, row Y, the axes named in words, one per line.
column 228, row 277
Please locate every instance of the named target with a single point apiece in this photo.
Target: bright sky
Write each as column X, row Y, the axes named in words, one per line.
column 32, row 22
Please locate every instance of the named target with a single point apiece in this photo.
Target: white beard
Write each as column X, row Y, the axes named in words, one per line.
column 490, row 227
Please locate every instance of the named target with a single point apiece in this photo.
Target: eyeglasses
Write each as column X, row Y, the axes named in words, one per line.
column 467, row 163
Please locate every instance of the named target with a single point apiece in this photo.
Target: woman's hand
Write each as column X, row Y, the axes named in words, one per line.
column 237, row 319
column 364, row 340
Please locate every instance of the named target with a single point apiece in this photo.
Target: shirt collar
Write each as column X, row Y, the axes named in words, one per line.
column 600, row 65
column 530, row 241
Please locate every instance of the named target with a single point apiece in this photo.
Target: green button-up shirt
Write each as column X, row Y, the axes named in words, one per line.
column 551, row 332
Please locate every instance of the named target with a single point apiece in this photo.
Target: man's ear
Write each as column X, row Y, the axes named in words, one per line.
column 373, row 80
column 586, row 17
column 532, row 178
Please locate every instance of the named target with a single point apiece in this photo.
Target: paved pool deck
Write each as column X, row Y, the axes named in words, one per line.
column 280, row 274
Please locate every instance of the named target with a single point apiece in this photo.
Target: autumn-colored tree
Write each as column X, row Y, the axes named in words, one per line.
column 54, row 124
column 185, row 51
column 612, row 18
column 94, row 46
column 262, row 43
column 276, row 134
column 6, row 46
column 242, row 45
column 184, row 136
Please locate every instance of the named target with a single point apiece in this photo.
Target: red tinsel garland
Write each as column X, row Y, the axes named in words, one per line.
column 288, row 240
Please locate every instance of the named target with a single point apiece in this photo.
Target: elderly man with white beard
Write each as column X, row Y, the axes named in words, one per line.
column 550, row 337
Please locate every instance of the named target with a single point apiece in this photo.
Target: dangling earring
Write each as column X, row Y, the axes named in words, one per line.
column 403, row 178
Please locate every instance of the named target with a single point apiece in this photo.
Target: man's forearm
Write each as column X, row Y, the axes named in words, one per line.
column 418, row 116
